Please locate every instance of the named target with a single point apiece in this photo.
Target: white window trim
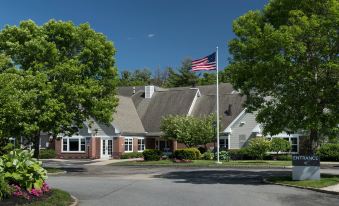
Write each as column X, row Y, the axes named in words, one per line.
column 142, row 138
column 226, row 139
column 125, row 144
column 73, row 137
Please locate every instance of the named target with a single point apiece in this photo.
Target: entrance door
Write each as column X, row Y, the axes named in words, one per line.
column 106, row 148
column 163, row 145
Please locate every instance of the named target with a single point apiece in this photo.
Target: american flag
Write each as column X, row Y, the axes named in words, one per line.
column 204, row 64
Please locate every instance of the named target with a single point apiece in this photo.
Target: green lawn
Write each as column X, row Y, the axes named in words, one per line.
column 53, row 170
column 207, row 163
column 326, row 180
column 58, row 198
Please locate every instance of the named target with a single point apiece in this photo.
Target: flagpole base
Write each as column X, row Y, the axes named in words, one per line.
column 218, row 162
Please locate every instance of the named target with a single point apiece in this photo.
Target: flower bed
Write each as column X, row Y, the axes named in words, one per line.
column 51, row 198
column 22, row 178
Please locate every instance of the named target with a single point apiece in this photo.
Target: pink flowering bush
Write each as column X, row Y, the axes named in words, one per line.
column 29, row 194
column 20, row 168
column 24, row 175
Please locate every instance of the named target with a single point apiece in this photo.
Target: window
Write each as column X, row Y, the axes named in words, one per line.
column 223, row 143
column 294, row 144
column 83, row 144
column 73, row 144
column 64, row 144
column 141, row 144
column 128, row 144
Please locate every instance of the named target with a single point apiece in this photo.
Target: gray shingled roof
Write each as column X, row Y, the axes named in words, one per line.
column 164, row 103
column 224, row 88
column 128, row 91
column 177, row 101
column 206, row 104
column 126, row 119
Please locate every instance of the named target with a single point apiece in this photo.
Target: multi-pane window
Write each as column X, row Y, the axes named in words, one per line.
column 294, row 144
column 223, row 143
column 64, row 144
column 141, row 144
column 128, row 144
column 83, row 144
column 73, row 144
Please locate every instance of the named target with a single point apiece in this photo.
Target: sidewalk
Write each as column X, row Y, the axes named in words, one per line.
column 107, row 162
column 329, row 163
column 333, row 188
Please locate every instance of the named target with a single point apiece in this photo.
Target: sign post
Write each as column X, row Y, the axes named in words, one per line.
column 305, row 167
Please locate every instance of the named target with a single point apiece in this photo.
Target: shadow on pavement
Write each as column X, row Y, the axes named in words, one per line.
column 73, row 169
column 221, row 177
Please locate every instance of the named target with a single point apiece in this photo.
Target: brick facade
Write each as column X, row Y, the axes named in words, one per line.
column 135, row 144
column 118, row 146
column 93, row 148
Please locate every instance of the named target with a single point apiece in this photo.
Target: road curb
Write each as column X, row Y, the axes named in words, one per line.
column 75, row 201
column 264, row 180
column 56, row 173
column 206, row 167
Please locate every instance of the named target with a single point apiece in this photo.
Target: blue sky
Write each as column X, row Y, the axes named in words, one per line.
column 146, row 33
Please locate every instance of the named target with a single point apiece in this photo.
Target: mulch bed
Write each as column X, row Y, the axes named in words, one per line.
column 20, row 201
column 181, row 161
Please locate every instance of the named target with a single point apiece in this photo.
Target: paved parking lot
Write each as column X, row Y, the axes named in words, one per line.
column 127, row 186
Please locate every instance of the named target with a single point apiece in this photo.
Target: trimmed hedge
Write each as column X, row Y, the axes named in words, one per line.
column 131, row 155
column 47, row 154
column 328, row 152
column 187, row 154
column 239, row 154
column 152, row 154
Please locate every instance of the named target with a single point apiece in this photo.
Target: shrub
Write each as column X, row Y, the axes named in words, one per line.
column 258, row 147
column 223, row 155
column 5, row 189
column 19, row 168
column 131, row 155
column 197, row 153
column 239, row 154
column 202, row 150
column 5, row 147
column 47, row 154
column 209, row 155
column 286, row 157
column 280, row 145
column 187, row 154
column 328, row 152
column 152, row 154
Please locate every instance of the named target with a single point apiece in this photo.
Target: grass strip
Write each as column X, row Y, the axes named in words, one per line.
column 57, row 198
column 325, row 181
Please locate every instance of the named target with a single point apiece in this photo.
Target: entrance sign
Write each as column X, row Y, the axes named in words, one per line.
column 310, row 160
column 305, row 167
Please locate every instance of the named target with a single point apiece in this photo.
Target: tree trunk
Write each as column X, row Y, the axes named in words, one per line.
column 36, row 142
column 314, row 137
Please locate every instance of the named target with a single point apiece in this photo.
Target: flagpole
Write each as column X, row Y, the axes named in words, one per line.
column 218, row 146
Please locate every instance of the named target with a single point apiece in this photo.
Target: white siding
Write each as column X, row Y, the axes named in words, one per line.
column 240, row 133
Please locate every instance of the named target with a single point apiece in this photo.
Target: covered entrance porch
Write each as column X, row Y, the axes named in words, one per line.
column 166, row 146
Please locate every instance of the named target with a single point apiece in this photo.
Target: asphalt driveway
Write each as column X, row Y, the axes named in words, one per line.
column 127, row 186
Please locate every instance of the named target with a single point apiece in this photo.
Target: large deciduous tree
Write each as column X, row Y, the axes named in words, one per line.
column 285, row 59
column 189, row 130
column 54, row 77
